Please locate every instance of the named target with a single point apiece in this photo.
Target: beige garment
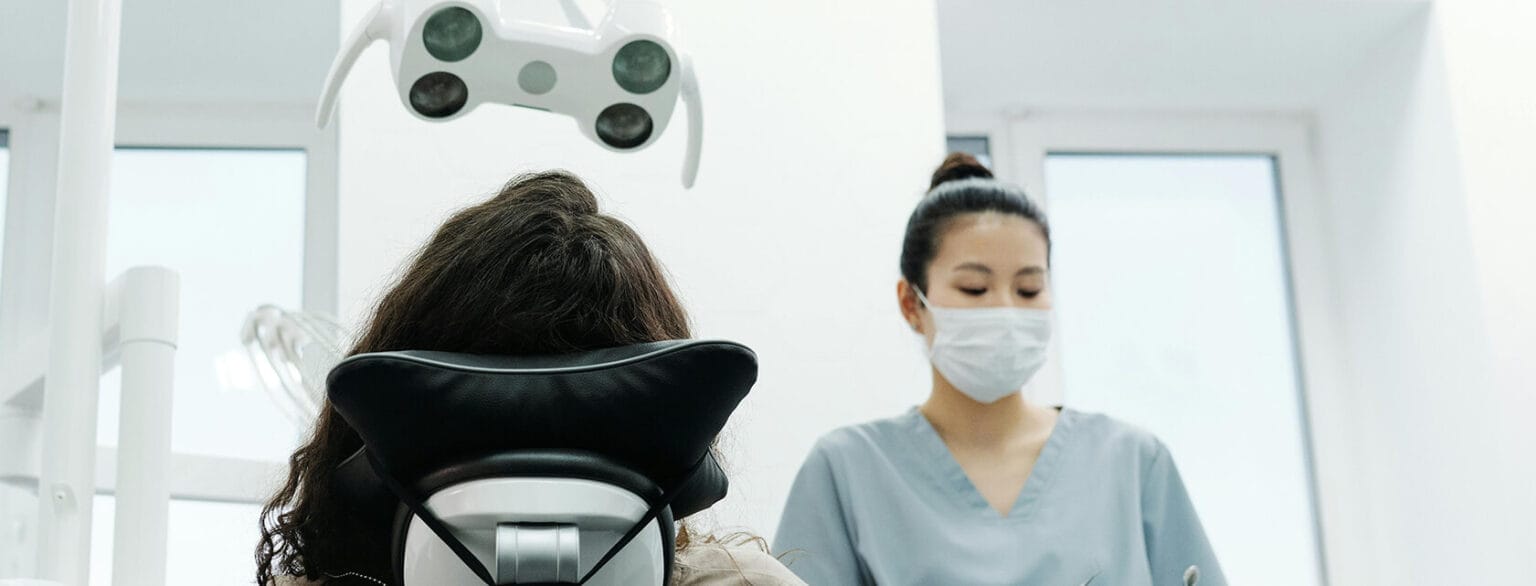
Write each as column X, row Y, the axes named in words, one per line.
column 699, row 565
column 712, row 564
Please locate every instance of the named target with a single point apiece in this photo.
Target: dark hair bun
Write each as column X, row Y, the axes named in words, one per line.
column 958, row 166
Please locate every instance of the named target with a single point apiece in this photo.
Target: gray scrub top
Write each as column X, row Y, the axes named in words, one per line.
column 885, row 503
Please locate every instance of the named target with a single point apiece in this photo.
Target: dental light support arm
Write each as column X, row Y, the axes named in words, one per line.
column 375, row 26
column 620, row 80
column 695, row 105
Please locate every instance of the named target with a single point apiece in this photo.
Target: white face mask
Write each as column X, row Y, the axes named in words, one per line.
column 988, row 352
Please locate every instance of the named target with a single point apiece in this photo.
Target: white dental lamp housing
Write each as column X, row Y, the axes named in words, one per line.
column 619, row 80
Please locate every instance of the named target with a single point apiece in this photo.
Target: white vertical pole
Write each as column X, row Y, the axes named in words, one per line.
column 147, row 324
column 23, row 321
column 87, row 123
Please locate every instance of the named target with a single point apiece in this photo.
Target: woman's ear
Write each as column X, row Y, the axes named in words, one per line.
column 906, row 299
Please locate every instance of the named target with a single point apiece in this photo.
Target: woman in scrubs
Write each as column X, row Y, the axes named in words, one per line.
column 978, row 485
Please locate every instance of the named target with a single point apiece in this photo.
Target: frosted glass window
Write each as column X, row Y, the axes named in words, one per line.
column 1171, row 289
column 231, row 222
column 206, row 542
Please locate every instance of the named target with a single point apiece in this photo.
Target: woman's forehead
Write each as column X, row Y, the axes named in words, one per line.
column 996, row 241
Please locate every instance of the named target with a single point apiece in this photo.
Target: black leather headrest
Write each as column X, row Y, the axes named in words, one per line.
column 653, row 408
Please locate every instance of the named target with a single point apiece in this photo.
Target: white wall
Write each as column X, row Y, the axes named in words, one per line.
column 1421, row 289
column 1384, row 147
column 1488, row 63
column 818, row 143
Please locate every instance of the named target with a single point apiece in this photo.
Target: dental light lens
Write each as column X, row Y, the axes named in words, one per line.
column 451, row 34
column 624, row 126
column 537, row 77
column 641, row 67
column 439, row 94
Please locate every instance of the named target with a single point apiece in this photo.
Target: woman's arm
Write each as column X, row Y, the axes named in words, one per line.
column 814, row 537
column 1175, row 539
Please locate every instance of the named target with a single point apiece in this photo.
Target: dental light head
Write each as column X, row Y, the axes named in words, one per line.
column 620, row 80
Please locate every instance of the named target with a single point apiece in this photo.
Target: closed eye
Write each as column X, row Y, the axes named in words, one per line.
column 1027, row 294
column 973, row 292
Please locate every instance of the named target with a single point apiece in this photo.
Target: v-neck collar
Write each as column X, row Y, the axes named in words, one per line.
column 952, row 478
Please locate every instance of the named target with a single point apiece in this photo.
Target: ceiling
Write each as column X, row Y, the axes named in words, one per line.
column 998, row 56
column 1006, row 56
column 182, row 50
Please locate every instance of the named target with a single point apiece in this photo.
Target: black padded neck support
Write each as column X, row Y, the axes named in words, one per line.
column 653, row 409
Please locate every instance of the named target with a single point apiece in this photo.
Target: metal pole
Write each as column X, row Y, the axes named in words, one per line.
column 147, row 320
column 87, row 123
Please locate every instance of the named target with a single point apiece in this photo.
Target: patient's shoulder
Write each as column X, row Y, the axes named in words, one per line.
column 348, row 579
column 714, row 564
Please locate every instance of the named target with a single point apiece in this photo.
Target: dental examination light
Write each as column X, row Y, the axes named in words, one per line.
column 620, row 80
column 292, row 353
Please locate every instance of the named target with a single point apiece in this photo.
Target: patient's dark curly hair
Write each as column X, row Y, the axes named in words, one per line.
column 537, row 269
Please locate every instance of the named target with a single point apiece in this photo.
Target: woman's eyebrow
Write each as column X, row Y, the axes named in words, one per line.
column 981, row 268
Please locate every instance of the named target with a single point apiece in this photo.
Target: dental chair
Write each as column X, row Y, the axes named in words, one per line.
column 562, row 469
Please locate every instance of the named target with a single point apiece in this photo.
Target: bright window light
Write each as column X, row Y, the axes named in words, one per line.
column 231, row 222
column 1171, row 289
column 206, row 542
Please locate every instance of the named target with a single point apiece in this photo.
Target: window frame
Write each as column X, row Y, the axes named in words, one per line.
column 1021, row 146
column 259, row 127
column 33, row 130
column 250, row 127
column 986, row 140
column 33, row 136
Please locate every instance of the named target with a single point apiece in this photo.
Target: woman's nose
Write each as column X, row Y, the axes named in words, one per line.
column 1005, row 298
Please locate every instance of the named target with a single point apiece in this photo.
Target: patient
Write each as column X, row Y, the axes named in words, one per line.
column 537, row 269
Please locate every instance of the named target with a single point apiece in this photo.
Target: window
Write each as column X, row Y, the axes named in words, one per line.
column 206, row 543
column 231, row 222
column 977, row 146
column 1172, row 299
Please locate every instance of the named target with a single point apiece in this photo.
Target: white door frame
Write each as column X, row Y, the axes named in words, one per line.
column 34, row 146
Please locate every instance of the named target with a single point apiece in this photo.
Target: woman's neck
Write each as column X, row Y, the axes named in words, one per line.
column 962, row 420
